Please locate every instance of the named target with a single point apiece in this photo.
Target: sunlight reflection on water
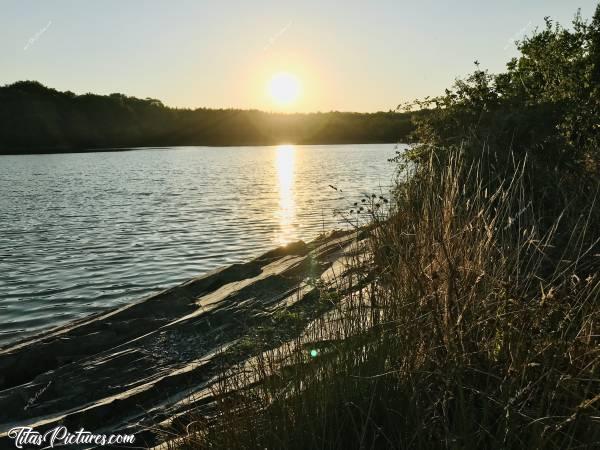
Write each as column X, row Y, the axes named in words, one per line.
column 83, row 232
column 285, row 161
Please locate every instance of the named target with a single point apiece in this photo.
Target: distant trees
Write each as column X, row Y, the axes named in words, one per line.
column 35, row 118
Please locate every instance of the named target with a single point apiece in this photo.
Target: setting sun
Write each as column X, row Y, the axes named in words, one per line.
column 284, row 88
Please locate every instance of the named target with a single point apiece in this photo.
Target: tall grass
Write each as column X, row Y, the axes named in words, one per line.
column 464, row 320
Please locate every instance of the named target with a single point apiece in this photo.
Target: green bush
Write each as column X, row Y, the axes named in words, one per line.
column 545, row 107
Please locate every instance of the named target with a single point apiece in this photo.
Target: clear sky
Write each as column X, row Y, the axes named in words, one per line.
column 347, row 55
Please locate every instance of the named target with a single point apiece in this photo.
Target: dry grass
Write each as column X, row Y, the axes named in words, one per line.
column 466, row 322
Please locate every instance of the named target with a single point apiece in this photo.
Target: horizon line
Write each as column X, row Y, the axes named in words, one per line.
column 214, row 108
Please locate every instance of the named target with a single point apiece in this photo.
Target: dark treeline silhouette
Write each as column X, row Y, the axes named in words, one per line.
column 35, row 118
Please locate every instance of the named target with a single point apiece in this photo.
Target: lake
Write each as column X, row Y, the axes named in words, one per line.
column 83, row 232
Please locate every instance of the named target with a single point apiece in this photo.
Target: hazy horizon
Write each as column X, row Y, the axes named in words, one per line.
column 192, row 108
column 360, row 58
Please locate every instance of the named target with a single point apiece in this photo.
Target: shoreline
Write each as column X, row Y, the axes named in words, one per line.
column 54, row 151
column 130, row 368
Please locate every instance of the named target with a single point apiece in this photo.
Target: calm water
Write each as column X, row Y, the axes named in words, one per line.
column 83, row 232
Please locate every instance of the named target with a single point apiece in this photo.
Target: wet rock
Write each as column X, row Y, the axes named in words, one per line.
column 131, row 367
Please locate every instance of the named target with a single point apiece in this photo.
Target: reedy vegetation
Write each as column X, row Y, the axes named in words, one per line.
column 473, row 318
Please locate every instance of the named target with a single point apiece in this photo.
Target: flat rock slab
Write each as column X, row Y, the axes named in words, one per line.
column 129, row 368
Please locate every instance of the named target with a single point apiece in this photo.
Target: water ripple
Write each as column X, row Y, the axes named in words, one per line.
column 84, row 232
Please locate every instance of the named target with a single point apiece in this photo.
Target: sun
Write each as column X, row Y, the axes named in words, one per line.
column 284, row 88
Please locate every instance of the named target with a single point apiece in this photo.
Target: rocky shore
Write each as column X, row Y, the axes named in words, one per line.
column 138, row 368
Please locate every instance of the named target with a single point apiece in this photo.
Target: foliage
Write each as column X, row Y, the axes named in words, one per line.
column 34, row 118
column 545, row 107
column 470, row 333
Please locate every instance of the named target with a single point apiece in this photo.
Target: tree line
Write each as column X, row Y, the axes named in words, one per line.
column 35, row 118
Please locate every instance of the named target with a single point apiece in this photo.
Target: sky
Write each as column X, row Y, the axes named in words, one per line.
column 346, row 55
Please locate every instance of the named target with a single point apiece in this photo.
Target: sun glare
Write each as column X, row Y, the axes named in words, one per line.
column 284, row 88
